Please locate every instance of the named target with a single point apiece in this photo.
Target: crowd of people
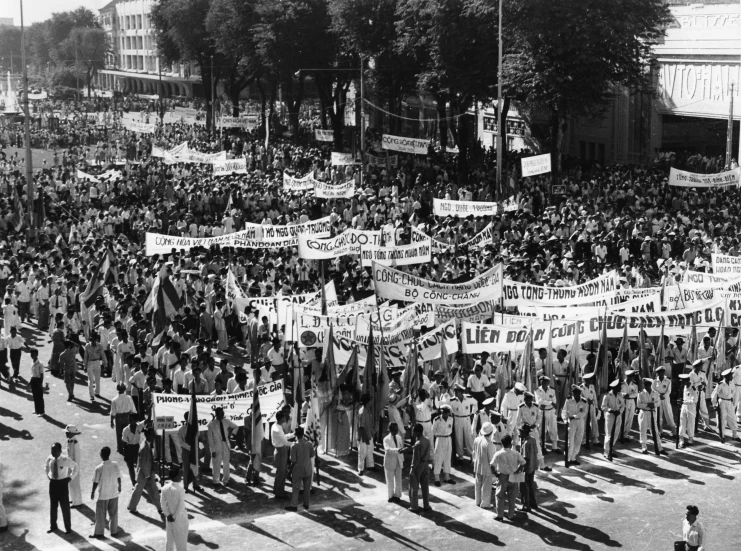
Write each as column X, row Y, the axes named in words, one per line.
column 104, row 191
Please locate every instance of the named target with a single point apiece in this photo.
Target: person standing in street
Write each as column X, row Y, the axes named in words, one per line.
column 15, row 345
column 37, row 383
column 107, row 480
column 281, row 447
column 483, row 453
column 95, row 360
column 693, row 532
column 529, row 450
column 131, row 439
column 612, row 407
column 442, row 431
column 393, row 462
column 60, row 469
column 419, row 473
column 145, row 475
column 73, row 452
column 218, row 442
column 573, row 413
column 505, row 463
column 365, row 435
column 172, row 502
column 188, row 458
column 301, row 453
column 68, row 362
column 122, row 410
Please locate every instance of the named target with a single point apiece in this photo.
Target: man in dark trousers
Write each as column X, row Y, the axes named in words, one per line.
column 68, row 362
column 419, row 474
column 60, row 469
column 301, row 453
column 145, row 471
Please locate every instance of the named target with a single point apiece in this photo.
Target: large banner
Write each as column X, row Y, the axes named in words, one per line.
column 396, row 285
column 229, row 167
column 236, row 406
column 405, row 145
column 463, row 209
column 323, row 135
column 157, row 243
column 291, row 183
column 324, row 190
column 525, row 294
column 726, row 265
column 138, row 126
column 342, row 159
column 479, row 311
column 540, row 164
column 376, row 160
column 400, row 255
column 348, row 242
column 484, row 237
column 690, row 179
column 650, row 303
column 191, row 156
column 247, row 122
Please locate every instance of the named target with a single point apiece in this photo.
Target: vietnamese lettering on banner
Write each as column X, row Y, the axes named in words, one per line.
column 157, row 243
column 539, row 164
column 290, row 183
column 236, row 406
column 479, row 311
column 651, row 303
column 342, row 159
column 138, row 126
column 348, row 242
column 405, row 145
column 325, row 190
column 323, row 135
column 691, row 276
column 463, row 209
column 396, row 285
column 429, row 346
column 484, row 237
column 377, row 160
column 230, row 166
column 400, row 255
column 246, row 122
column 196, row 157
column 524, row 294
column 690, row 179
column 726, row 265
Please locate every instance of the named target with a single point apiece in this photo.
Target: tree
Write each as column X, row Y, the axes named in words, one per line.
column 569, row 55
column 88, row 47
column 181, row 32
column 10, row 47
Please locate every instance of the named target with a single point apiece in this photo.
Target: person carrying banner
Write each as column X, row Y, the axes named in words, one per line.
column 463, row 438
column 612, row 407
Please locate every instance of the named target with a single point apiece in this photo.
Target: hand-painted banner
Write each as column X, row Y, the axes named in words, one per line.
column 236, row 406
column 690, row 179
column 196, row 157
column 479, row 311
column 230, row 166
column 484, row 237
column 348, row 242
column 430, row 344
column 85, row 176
column 463, row 209
column 291, row 183
column 375, row 160
column 539, row 164
column 157, row 243
column 396, row 285
column 324, row 190
column 525, row 294
column 247, row 122
column 138, row 126
column 726, row 265
column 342, row 159
column 405, row 145
column 400, row 255
column 691, row 276
column 651, row 303
column 323, row 135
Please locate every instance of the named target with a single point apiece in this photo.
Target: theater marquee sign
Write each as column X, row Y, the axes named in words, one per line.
column 698, row 89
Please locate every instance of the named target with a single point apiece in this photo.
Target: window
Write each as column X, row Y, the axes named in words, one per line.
column 138, row 21
column 128, row 42
column 141, row 43
column 128, row 22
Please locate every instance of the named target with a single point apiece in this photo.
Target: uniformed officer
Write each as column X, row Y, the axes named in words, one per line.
column 664, row 414
column 511, row 406
column 463, row 438
column 527, row 415
column 442, row 431
column 612, row 407
column 630, row 395
column 482, row 416
column 573, row 413
column 436, row 389
column 545, row 397
column 396, row 401
column 699, row 381
column 73, row 452
column 647, row 403
column 688, row 412
column 500, row 430
column 722, row 400
column 589, row 395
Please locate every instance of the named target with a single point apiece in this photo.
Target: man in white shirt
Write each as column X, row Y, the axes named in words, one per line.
column 172, row 500
column 282, row 445
column 393, row 461
column 107, row 479
column 693, row 532
column 60, row 469
column 24, row 298
column 218, row 441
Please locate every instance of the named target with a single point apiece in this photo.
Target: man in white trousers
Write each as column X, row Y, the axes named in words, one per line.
column 218, row 441
column 172, row 501
column 483, row 453
column 648, row 402
column 722, row 400
column 393, row 461
column 664, row 415
column 573, row 413
column 73, row 452
column 545, row 397
column 442, row 431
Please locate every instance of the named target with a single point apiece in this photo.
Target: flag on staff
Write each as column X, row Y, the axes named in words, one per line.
column 572, row 370
column 444, row 364
column 602, row 375
column 720, row 348
column 370, row 377
column 692, row 345
column 95, row 285
column 524, row 368
column 624, row 347
column 410, row 382
column 163, row 301
column 312, row 429
column 548, row 367
column 642, row 358
column 18, row 211
column 191, row 433
column 229, row 205
column 258, row 432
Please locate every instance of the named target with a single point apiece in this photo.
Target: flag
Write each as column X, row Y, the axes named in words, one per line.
column 95, row 285
column 621, row 352
column 410, row 382
column 642, row 359
column 258, row 432
column 312, row 428
column 692, row 344
column 18, row 211
column 548, row 367
column 444, row 365
column 191, row 433
column 229, row 206
column 720, row 349
column 163, row 300
column 370, row 377
column 525, row 367
column 572, row 370
column 602, row 369
column 349, row 372
column 383, row 394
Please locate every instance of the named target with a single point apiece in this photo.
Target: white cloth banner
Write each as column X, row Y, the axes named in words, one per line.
column 138, row 126
column 400, row 255
column 247, row 122
column 323, row 135
column 377, row 160
column 726, row 265
column 85, row 176
column 342, row 159
column 479, row 311
column 328, row 191
column 525, row 294
column 690, row 179
column 348, row 242
column 396, row 285
column 236, row 406
column 196, row 157
column 540, row 164
column 463, row 209
column 291, row 183
column 230, row 166
column 405, row 145
column 484, row 237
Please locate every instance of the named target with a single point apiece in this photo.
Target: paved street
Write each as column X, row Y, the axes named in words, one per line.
column 635, row 503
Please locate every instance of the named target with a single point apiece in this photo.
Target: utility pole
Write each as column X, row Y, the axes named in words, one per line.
column 729, row 133
column 162, row 105
column 213, row 98
column 27, row 130
column 362, row 119
column 500, row 105
column 77, row 72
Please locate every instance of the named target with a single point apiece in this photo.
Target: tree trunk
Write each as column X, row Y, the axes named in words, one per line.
column 442, row 120
column 558, row 126
column 234, row 91
column 463, row 146
column 263, row 101
column 337, row 118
